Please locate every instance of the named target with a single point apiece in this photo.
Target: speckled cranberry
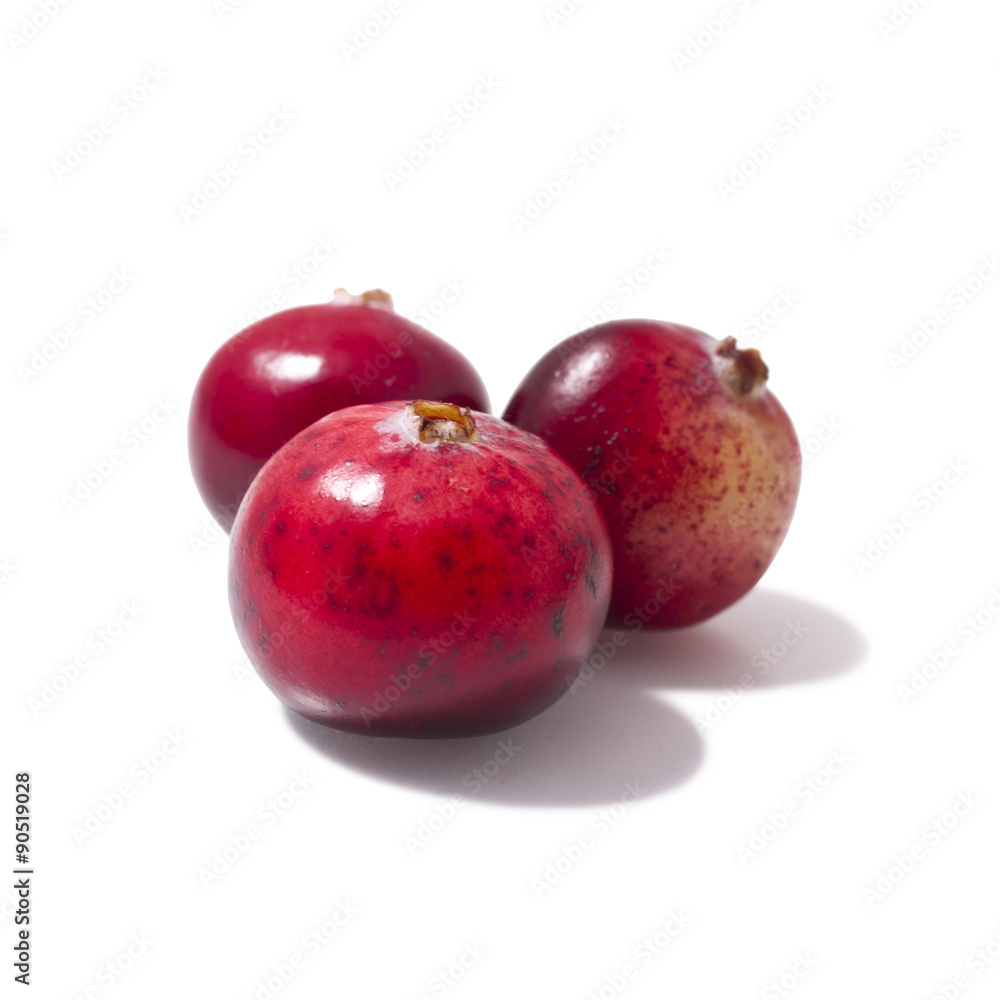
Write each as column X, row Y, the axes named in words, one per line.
column 694, row 462
column 280, row 374
column 420, row 570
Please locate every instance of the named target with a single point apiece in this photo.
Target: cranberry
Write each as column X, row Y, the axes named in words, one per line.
column 282, row 373
column 414, row 569
column 694, row 462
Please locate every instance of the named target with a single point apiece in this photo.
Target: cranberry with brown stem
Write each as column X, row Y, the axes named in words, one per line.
column 694, row 462
column 280, row 374
column 417, row 569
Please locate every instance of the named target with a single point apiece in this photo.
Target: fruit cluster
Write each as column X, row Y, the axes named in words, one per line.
column 404, row 564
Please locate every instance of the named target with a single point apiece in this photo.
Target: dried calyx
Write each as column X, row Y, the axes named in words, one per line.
column 444, row 422
column 743, row 372
column 373, row 297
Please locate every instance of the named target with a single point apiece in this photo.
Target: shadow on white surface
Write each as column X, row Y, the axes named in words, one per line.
column 610, row 732
column 584, row 750
column 775, row 638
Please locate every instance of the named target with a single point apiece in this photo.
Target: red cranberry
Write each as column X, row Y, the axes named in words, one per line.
column 284, row 372
column 412, row 569
column 694, row 462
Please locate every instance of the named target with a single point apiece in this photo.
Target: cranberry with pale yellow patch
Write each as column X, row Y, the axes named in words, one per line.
column 692, row 459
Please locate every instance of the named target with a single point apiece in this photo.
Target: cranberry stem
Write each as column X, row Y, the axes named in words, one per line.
column 743, row 371
column 443, row 422
column 373, row 297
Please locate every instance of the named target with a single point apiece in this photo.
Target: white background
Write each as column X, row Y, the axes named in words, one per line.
column 714, row 757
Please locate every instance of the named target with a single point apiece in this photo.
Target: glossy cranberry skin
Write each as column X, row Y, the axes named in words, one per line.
column 695, row 464
column 393, row 586
column 286, row 371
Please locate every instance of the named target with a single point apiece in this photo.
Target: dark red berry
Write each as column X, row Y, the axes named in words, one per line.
column 279, row 375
